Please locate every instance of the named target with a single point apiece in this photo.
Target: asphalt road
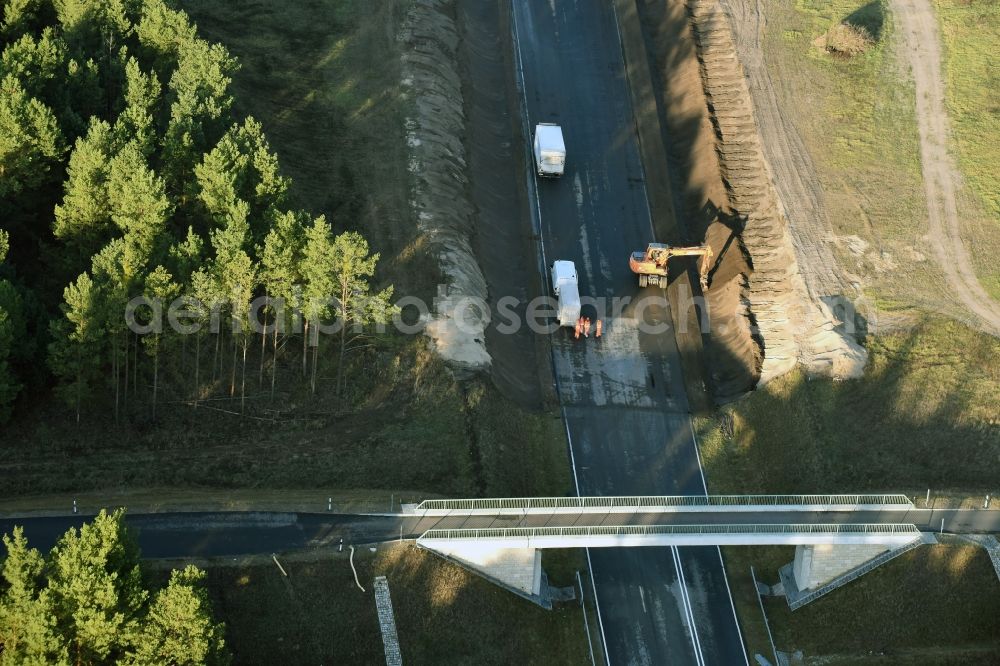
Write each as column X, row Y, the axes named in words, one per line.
column 193, row 535
column 623, row 397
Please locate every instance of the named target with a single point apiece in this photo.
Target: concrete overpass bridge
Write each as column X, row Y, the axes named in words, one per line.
column 837, row 537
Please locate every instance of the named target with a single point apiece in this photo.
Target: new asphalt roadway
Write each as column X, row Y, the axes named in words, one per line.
column 625, row 406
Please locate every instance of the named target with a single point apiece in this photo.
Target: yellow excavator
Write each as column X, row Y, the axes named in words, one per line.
column 651, row 265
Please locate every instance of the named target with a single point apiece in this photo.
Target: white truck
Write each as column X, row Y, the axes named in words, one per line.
column 566, row 288
column 550, row 150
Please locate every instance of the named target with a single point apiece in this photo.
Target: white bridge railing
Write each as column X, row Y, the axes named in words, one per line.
column 664, row 503
column 655, row 535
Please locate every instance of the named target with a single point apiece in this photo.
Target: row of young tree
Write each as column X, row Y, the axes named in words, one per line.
column 87, row 603
column 122, row 175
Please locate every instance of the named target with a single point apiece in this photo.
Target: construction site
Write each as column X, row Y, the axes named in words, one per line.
column 760, row 281
column 757, row 423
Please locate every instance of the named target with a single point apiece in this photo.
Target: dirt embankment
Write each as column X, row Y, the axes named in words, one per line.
column 795, row 324
column 699, row 196
column 440, row 185
column 793, row 173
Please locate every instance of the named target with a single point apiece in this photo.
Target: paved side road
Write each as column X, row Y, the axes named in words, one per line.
column 197, row 535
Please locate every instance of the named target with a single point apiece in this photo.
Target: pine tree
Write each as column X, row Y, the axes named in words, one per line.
column 281, row 275
column 94, row 26
column 96, row 586
column 85, row 604
column 136, row 123
column 31, row 143
column 19, row 17
column 28, row 632
column 83, row 220
column 317, row 286
column 39, row 65
column 179, row 628
column 356, row 305
column 74, row 354
column 161, row 287
column 163, row 32
column 199, row 89
column 236, row 276
column 139, row 204
column 205, row 297
column 242, row 167
column 117, row 277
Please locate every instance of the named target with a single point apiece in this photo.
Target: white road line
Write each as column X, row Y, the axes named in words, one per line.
column 688, row 610
column 642, row 598
column 697, row 452
column 597, row 606
column 572, row 458
column 732, row 605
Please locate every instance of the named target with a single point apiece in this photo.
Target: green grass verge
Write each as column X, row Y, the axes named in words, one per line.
column 444, row 614
column 924, row 415
column 417, row 430
column 934, row 605
column 971, row 35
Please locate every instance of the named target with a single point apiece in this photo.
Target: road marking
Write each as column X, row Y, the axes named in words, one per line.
column 642, row 598
column 697, row 452
column 732, row 606
column 688, row 610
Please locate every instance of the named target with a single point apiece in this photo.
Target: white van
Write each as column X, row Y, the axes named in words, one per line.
column 567, row 290
column 550, row 150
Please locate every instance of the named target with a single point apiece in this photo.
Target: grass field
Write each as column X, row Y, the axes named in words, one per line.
column 925, row 413
column 934, row 605
column 856, row 117
column 971, row 34
column 923, row 416
column 444, row 614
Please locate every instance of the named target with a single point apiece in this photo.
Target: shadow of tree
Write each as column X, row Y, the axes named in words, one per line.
column 871, row 17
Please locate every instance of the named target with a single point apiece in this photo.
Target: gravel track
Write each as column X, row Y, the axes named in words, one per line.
column 921, row 44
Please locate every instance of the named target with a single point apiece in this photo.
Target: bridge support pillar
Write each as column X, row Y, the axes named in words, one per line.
column 517, row 569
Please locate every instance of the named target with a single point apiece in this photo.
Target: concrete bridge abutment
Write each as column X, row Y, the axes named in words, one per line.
column 818, row 564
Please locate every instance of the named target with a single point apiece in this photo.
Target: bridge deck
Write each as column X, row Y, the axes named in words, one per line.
column 675, row 535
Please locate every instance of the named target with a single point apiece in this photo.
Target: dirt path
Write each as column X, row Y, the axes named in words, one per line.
column 921, row 47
